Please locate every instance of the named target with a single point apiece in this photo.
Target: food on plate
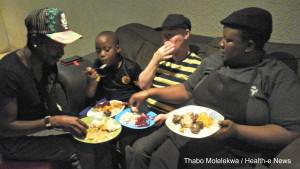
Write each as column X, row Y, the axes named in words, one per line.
column 137, row 119
column 100, row 129
column 193, row 121
column 187, row 120
column 205, row 119
column 109, row 107
column 176, row 118
column 196, row 127
column 134, row 109
column 141, row 121
column 107, row 113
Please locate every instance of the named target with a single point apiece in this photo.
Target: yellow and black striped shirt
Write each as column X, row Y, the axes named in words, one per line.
column 171, row 73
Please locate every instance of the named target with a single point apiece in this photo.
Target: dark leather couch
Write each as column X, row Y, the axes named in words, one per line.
column 139, row 42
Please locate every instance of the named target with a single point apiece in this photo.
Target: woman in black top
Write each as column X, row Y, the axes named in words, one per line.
column 258, row 97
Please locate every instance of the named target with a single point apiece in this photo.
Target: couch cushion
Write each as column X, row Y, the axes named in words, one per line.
column 138, row 42
column 73, row 81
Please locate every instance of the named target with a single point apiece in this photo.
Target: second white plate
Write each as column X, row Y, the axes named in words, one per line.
column 205, row 132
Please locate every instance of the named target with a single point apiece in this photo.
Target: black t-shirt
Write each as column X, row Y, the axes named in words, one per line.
column 118, row 83
column 17, row 81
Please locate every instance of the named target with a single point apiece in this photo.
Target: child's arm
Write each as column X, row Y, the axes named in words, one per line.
column 135, row 72
column 94, row 79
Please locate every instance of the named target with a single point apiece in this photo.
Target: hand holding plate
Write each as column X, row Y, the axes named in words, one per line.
column 160, row 119
column 228, row 130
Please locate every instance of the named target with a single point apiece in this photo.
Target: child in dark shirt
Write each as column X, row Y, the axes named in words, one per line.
column 112, row 75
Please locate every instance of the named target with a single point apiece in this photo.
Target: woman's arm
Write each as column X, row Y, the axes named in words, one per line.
column 268, row 136
column 171, row 94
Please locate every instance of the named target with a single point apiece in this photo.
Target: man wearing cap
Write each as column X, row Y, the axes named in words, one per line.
column 257, row 95
column 172, row 63
column 27, row 76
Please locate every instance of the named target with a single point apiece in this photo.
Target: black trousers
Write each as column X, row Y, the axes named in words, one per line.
column 57, row 148
column 139, row 154
column 164, row 149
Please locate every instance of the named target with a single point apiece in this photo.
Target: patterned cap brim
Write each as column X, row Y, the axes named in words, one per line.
column 65, row 37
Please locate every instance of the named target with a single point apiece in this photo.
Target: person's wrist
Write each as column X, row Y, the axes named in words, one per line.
column 54, row 120
column 147, row 93
column 157, row 58
column 47, row 122
column 236, row 131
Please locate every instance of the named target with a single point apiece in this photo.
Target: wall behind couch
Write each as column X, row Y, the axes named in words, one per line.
column 89, row 17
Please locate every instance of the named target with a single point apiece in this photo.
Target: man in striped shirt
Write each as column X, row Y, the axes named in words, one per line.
column 172, row 63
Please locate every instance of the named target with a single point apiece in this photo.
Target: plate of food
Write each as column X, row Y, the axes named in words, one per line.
column 136, row 120
column 106, row 108
column 100, row 129
column 194, row 121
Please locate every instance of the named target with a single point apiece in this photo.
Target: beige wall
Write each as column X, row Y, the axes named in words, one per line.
column 89, row 17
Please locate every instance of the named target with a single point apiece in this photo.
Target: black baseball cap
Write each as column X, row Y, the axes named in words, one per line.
column 51, row 22
column 175, row 21
column 254, row 19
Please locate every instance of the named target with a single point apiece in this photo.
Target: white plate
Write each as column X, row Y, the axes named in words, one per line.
column 205, row 132
column 114, row 111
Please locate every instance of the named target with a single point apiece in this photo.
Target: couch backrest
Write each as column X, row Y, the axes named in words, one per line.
column 139, row 42
column 288, row 53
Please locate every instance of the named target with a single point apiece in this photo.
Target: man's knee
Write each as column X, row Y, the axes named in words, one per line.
column 140, row 148
column 135, row 152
